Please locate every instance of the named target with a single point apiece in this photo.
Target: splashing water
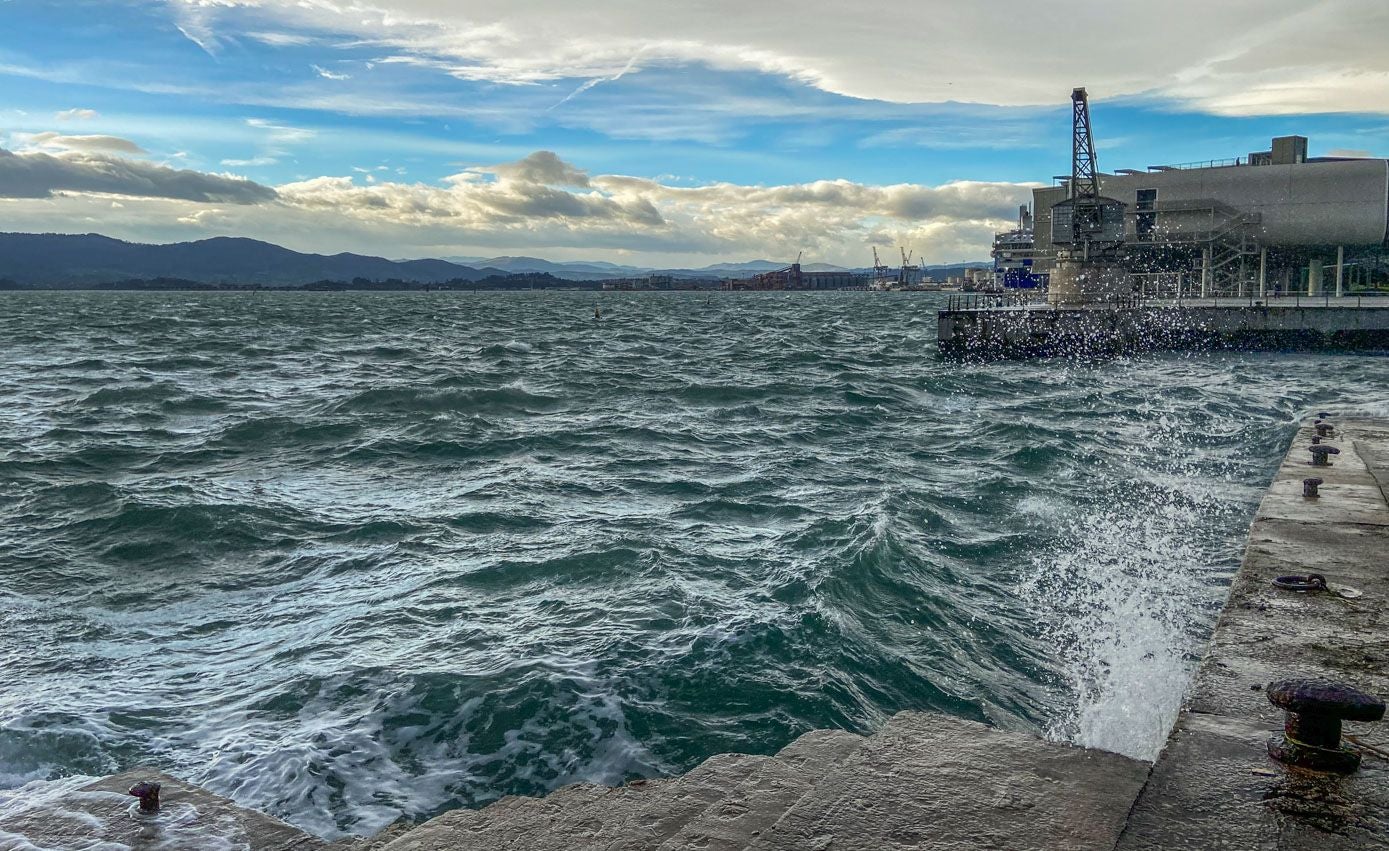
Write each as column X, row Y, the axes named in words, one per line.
column 1128, row 588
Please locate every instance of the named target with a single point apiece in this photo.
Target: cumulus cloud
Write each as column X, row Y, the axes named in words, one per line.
column 538, row 203
column 41, row 175
column 534, row 189
column 544, row 201
column 542, row 167
column 1239, row 57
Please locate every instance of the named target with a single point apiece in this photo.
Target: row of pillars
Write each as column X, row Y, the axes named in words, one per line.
column 1315, row 274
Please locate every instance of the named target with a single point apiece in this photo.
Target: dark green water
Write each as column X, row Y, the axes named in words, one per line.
column 345, row 556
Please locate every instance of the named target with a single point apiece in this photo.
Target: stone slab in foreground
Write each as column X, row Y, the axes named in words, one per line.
column 923, row 781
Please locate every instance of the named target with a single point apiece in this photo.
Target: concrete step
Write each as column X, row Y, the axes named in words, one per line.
column 686, row 798
column 761, row 799
column 931, row 781
column 597, row 823
column 635, row 817
column 509, row 822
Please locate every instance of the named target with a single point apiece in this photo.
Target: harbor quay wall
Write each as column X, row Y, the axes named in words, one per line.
column 1034, row 331
column 926, row 780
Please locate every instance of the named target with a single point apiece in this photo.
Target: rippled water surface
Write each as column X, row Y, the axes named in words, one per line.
column 350, row 556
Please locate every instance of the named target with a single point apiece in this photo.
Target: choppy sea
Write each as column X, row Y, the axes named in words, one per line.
column 347, row 557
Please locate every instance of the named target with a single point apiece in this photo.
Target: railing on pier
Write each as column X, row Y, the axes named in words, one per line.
column 1139, row 299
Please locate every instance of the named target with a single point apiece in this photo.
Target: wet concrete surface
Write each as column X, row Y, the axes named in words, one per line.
column 1214, row 786
column 923, row 781
column 99, row 816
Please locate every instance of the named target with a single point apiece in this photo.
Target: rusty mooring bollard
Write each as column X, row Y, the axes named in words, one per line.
column 1316, row 438
column 1320, row 454
column 1309, row 487
column 1312, row 729
column 148, row 793
column 1300, row 583
column 1325, row 429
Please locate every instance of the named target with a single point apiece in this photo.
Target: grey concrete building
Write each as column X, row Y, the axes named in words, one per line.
column 1273, row 222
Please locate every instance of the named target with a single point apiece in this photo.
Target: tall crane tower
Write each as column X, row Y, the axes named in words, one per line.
column 1087, row 228
column 1086, row 223
column 1085, row 181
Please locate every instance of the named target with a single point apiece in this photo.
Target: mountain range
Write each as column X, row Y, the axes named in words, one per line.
column 77, row 260
column 58, row 260
column 591, row 270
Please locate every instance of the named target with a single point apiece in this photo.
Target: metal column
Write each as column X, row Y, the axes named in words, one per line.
column 1263, row 272
column 1206, row 272
column 1340, row 270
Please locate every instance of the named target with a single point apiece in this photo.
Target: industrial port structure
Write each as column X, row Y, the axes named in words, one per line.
column 1272, row 223
column 1294, row 245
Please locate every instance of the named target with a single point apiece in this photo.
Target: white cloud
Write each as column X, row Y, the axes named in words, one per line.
column 76, row 115
column 329, row 75
column 254, row 162
column 202, row 218
column 281, row 133
column 1239, row 56
column 278, row 39
column 36, row 174
column 91, row 144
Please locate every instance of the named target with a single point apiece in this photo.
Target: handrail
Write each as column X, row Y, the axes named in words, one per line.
column 1139, row 299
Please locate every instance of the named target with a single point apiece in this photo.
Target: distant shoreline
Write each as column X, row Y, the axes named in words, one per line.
column 511, row 283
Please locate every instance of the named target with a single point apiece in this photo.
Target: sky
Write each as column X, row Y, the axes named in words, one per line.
column 648, row 132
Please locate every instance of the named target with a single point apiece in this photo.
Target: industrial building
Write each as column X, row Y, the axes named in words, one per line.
column 1272, row 223
column 792, row 277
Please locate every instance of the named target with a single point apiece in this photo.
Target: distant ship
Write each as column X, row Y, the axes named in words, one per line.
column 1013, row 253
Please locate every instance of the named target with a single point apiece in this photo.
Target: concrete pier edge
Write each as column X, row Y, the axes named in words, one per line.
column 1038, row 331
column 928, row 780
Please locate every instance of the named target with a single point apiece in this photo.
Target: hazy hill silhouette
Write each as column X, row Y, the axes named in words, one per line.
column 76, row 260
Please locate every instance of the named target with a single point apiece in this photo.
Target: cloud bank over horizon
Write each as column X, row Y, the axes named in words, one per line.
column 540, row 202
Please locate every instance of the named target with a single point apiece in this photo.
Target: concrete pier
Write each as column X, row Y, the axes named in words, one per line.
column 98, row 816
column 931, row 781
column 1214, row 785
column 924, row 780
column 1042, row 331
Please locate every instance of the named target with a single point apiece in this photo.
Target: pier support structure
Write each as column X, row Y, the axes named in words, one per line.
column 1340, row 270
column 1263, row 272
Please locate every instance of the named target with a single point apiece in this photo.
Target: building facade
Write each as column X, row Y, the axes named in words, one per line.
column 1276, row 217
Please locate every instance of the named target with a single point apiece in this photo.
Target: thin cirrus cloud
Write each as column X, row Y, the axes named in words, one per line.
column 1238, row 57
